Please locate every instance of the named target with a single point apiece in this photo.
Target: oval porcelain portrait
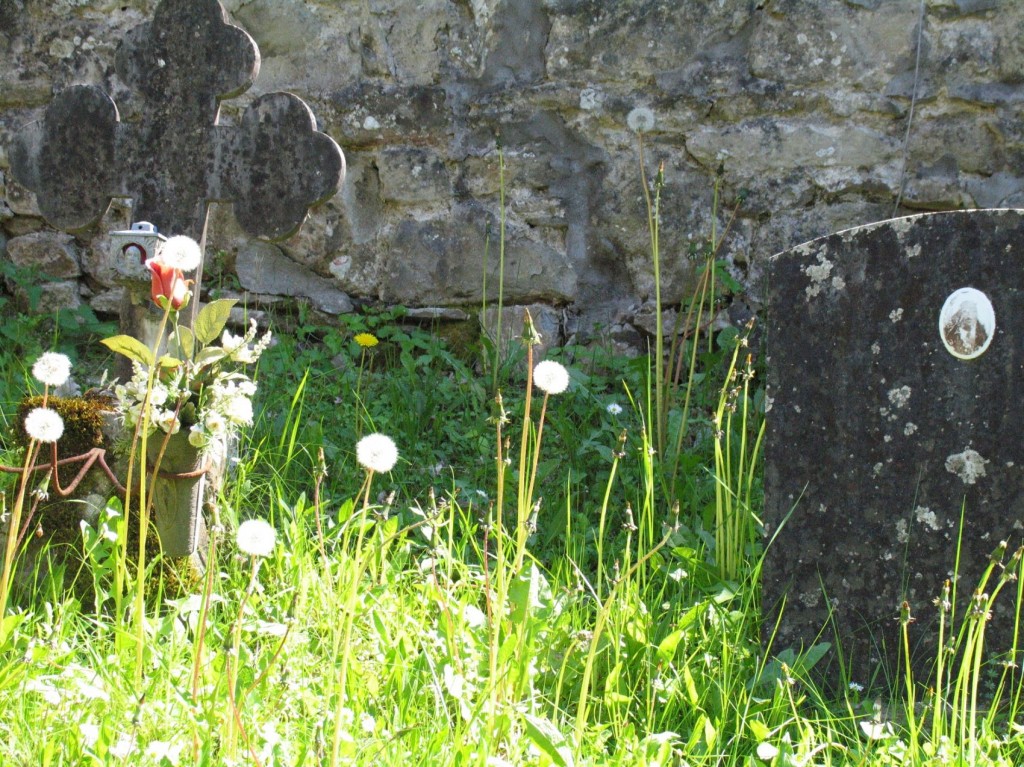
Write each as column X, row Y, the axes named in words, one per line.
column 967, row 323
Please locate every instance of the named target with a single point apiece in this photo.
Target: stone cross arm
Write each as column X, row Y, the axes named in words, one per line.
column 273, row 167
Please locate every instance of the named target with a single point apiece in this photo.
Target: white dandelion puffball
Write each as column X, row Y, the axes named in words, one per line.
column 377, row 452
column 256, row 538
column 52, row 369
column 551, row 377
column 180, row 252
column 640, row 120
column 44, row 425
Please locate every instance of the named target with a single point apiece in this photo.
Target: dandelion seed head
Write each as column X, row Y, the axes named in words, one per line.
column 377, row 452
column 256, row 538
column 180, row 252
column 52, row 369
column 640, row 120
column 44, row 425
column 551, row 377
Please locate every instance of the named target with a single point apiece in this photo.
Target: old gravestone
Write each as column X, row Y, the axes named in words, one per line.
column 895, row 377
column 176, row 159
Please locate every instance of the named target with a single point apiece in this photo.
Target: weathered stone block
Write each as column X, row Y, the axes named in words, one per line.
column 367, row 114
column 21, row 200
column 24, row 93
column 895, row 408
column 53, row 254
column 546, row 321
column 771, row 146
column 442, row 261
column 263, row 268
column 409, row 175
column 108, row 301
column 64, row 294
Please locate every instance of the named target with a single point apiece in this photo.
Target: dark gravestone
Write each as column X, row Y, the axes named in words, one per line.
column 177, row 159
column 895, row 370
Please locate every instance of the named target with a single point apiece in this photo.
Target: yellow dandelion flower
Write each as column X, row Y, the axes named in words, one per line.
column 366, row 340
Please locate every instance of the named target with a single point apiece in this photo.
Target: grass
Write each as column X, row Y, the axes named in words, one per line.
column 566, row 579
column 397, row 621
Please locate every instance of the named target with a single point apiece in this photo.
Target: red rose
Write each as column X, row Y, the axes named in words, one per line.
column 167, row 282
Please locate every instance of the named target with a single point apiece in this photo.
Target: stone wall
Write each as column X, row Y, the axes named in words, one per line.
column 801, row 107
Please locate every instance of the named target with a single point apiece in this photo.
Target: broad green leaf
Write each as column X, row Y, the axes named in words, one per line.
column 212, row 319
column 529, row 596
column 612, row 696
column 167, row 361
column 667, row 647
column 710, row 734
column 758, row 729
column 810, row 658
column 209, row 355
column 691, row 687
column 186, row 342
column 549, row 739
column 695, row 733
column 130, row 347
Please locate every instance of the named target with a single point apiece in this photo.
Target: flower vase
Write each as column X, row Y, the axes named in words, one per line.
column 178, row 500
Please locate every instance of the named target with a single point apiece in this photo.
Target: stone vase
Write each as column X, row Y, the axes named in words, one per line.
column 178, row 500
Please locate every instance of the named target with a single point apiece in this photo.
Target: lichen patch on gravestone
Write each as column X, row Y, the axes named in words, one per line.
column 968, row 465
column 818, row 273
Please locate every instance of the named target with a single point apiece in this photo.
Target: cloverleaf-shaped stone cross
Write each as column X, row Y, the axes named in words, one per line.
column 177, row 159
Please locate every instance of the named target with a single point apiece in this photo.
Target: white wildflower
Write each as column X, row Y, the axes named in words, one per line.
column 367, row 722
column 44, row 425
column 239, row 410
column 377, row 452
column 197, row 436
column 474, row 616
column 614, row 408
column 125, row 745
column 90, row 734
column 52, row 369
column 180, row 252
column 256, row 538
column 238, row 347
column 766, row 752
column 167, row 421
column 248, row 388
column 215, row 424
column 551, row 377
column 161, row 749
column 877, row 730
column 159, row 395
column 44, row 687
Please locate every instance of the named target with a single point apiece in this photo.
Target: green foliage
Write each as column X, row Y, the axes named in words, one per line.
column 26, row 330
column 376, row 632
